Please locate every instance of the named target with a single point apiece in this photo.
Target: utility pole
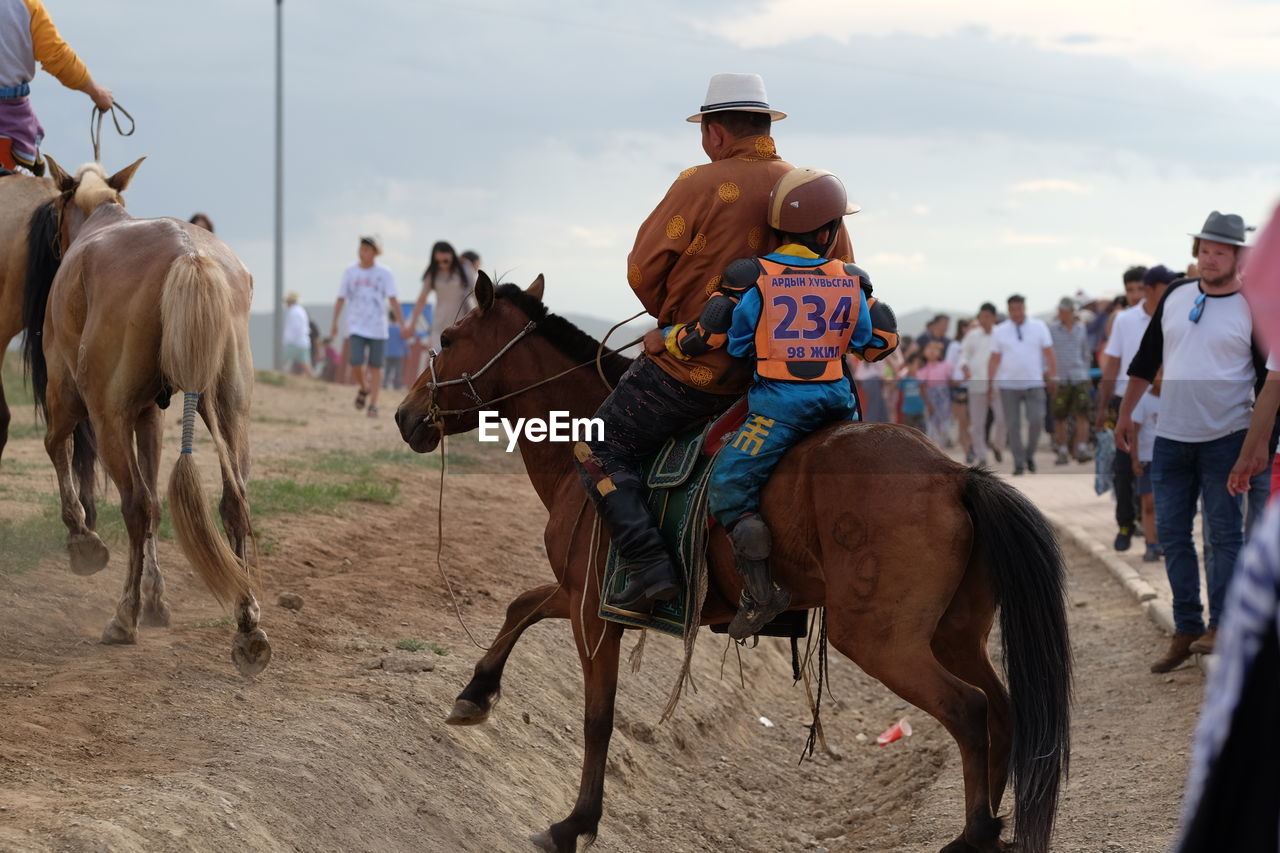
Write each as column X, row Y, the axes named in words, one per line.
column 277, row 350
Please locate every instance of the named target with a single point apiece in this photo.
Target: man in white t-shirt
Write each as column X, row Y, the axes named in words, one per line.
column 1202, row 337
column 366, row 288
column 1021, row 365
column 1126, row 335
column 297, row 337
column 975, row 356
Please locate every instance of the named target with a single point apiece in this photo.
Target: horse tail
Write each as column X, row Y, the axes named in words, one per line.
column 42, row 264
column 196, row 332
column 1028, row 575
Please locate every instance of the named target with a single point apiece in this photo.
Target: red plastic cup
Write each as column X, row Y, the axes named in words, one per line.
column 897, row 731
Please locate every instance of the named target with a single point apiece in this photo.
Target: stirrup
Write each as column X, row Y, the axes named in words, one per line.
column 753, row 615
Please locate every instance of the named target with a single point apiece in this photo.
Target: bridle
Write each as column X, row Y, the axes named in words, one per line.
column 435, row 414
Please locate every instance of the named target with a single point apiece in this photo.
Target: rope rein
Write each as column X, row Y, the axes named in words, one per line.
column 95, row 126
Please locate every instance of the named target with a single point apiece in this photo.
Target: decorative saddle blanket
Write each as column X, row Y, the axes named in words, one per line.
column 677, row 479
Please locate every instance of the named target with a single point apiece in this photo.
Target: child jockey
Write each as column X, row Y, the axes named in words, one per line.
column 27, row 34
column 797, row 314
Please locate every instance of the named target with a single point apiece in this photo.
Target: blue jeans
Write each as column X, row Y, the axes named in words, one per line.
column 1183, row 472
column 782, row 415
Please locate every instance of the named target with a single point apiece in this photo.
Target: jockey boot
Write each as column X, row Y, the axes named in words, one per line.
column 651, row 574
column 762, row 599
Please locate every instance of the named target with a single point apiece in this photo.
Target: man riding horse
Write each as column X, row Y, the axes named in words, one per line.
column 27, row 34
column 712, row 215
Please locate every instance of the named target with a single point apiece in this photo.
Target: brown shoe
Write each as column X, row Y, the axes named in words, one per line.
column 1204, row 645
column 1179, row 651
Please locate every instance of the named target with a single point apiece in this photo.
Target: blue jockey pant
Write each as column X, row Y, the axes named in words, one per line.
column 782, row 414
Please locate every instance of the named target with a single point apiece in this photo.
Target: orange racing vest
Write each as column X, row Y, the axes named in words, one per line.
column 807, row 318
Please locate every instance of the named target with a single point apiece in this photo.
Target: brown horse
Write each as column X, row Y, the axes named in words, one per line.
column 20, row 195
column 137, row 309
column 909, row 552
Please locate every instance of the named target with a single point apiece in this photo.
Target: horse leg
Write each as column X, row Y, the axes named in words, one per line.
column 64, row 410
column 150, row 433
column 960, row 644
column 909, row 668
column 4, row 405
column 482, row 692
column 137, row 505
column 600, row 673
column 250, row 650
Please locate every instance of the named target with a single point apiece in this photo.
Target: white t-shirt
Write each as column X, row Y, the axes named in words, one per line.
column 1021, row 349
column 1207, row 389
column 975, row 351
column 1126, row 334
column 366, row 292
column 1147, row 414
column 953, row 357
column 297, row 329
column 1273, row 362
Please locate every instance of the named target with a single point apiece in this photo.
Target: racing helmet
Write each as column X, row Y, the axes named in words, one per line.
column 805, row 199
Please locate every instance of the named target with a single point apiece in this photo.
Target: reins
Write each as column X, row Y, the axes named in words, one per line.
column 95, row 126
column 437, row 415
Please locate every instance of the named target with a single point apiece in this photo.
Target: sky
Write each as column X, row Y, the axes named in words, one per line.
column 996, row 146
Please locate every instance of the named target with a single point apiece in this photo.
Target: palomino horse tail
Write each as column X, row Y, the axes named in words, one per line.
column 1027, row 571
column 195, row 319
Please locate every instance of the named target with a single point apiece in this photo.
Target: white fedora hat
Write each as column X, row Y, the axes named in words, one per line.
column 739, row 92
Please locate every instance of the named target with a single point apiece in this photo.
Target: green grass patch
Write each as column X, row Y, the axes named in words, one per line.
column 219, row 622
column 279, row 496
column 410, row 645
column 270, row 377
column 17, row 391
column 268, row 419
column 25, row 429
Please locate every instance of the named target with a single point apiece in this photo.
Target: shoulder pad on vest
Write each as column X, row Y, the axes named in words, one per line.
column 741, row 274
column 863, row 278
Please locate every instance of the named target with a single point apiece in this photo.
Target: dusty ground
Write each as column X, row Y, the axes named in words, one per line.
column 161, row 746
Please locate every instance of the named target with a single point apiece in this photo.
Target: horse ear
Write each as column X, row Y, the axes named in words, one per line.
column 535, row 289
column 120, row 180
column 60, row 178
column 484, row 291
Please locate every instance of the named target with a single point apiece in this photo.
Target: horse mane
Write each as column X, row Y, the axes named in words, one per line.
column 92, row 188
column 563, row 335
column 42, row 264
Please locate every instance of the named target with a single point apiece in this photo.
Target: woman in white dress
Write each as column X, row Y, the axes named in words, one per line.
column 452, row 280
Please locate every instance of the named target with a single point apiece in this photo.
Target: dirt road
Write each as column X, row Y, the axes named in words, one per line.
column 161, row 746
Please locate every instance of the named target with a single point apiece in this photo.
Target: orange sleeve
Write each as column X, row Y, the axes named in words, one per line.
column 660, row 242
column 55, row 55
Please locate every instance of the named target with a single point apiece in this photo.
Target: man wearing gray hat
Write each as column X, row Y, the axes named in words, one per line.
column 1201, row 336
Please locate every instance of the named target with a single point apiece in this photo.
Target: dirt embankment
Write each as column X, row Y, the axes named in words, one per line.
column 161, row 746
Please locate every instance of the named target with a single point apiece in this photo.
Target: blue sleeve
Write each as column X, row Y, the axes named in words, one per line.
column 862, row 329
column 742, row 332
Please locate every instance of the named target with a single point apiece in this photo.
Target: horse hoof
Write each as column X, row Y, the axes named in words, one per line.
column 251, row 652
column 156, row 616
column 116, row 634
column 468, row 713
column 88, row 554
column 544, row 841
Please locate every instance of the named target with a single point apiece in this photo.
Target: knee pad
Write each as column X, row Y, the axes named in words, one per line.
column 751, row 538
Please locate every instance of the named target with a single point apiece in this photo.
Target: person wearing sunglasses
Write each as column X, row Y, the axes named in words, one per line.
column 1202, row 335
column 1021, row 364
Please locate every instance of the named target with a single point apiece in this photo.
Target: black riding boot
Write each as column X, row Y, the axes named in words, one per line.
column 651, row 575
column 762, row 599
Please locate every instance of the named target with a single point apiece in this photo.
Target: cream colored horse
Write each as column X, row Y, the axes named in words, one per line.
column 139, row 309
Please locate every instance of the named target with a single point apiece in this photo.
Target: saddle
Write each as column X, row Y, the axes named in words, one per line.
column 677, row 479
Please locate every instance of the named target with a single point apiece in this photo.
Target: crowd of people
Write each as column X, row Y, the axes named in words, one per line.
column 1167, row 383
column 379, row 329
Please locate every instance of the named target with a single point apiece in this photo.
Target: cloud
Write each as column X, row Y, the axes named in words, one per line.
column 1051, row 185
column 921, row 209
column 894, row 260
column 1014, row 238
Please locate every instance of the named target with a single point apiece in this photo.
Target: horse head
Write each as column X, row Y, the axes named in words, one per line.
column 81, row 195
column 464, row 376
